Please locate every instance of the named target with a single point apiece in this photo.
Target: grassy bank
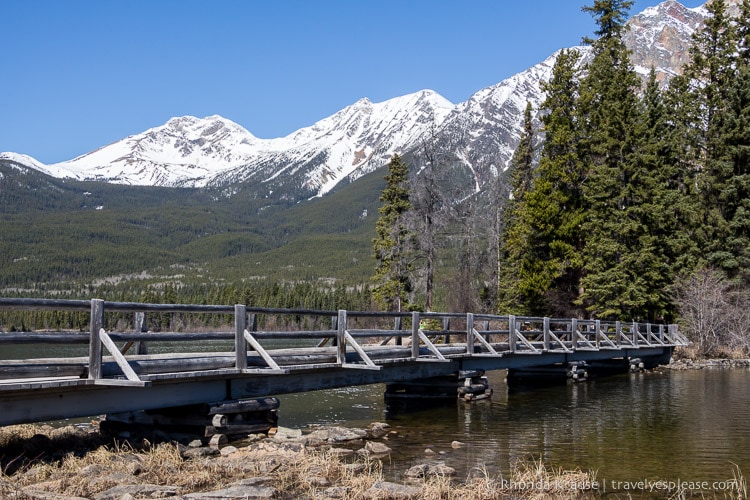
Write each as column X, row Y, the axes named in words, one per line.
column 40, row 461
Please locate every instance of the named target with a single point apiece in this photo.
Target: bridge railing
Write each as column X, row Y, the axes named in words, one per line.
column 356, row 339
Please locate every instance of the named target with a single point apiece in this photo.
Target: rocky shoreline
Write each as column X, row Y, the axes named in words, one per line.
column 318, row 463
column 701, row 364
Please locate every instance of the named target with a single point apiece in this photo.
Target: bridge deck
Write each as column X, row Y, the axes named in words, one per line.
column 357, row 350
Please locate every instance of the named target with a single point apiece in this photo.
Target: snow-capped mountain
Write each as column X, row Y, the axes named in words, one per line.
column 358, row 139
column 185, row 151
column 481, row 133
column 216, row 152
column 659, row 37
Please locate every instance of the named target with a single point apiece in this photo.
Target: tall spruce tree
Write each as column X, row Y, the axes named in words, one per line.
column 666, row 211
column 713, row 72
column 514, row 234
column 619, row 253
column 555, row 207
column 391, row 282
column 717, row 86
column 733, row 251
column 736, row 195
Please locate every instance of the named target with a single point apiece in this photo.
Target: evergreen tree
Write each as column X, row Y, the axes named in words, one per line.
column 555, row 207
column 619, row 251
column 717, row 74
column 732, row 251
column 666, row 210
column 712, row 70
column 391, row 282
column 513, row 234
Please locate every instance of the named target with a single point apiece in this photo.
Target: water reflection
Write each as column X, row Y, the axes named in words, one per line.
column 677, row 425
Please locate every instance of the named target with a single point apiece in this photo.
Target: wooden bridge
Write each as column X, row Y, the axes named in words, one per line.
column 137, row 369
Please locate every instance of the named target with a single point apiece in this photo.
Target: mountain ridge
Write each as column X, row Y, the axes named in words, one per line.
column 481, row 132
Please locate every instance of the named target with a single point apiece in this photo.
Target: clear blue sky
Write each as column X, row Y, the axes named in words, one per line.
column 80, row 74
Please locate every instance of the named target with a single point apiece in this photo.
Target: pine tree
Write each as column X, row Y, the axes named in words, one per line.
column 718, row 75
column 732, row 252
column 666, row 210
column 618, row 261
column 513, row 233
column 555, row 207
column 391, row 282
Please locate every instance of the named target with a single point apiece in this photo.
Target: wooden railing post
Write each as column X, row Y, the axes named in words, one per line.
column 512, row 333
column 598, row 326
column 447, row 327
column 397, row 327
column 340, row 338
column 141, row 347
column 673, row 332
column 95, row 344
column 469, row 334
column 574, row 333
column 415, row 335
column 634, row 333
column 240, row 344
column 546, row 335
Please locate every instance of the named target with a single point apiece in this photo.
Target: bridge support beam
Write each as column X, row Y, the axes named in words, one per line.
column 469, row 385
column 212, row 423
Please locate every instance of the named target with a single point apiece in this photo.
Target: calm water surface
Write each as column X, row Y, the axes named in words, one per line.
column 687, row 426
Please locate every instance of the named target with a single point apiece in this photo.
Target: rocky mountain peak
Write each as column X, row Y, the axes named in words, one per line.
column 480, row 133
column 660, row 37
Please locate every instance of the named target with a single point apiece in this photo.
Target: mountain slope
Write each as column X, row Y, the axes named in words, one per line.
column 216, row 152
column 248, row 206
column 480, row 133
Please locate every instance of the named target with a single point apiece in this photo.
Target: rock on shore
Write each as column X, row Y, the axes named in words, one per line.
column 700, row 364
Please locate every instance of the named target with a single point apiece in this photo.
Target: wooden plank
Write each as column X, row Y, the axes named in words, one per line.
column 44, row 338
column 238, row 429
column 114, row 382
column 341, row 338
column 430, row 346
column 259, row 349
column 191, row 374
column 240, row 340
column 119, row 358
column 245, row 406
column 42, row 383
column 484, row 342
column 44, row 304
column 362, row 354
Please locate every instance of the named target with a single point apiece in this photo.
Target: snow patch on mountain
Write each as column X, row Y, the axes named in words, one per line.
column 481, row 133
column 660, row 37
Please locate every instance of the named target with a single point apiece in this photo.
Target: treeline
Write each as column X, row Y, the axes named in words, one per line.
column 631, row 189
column 261, row 293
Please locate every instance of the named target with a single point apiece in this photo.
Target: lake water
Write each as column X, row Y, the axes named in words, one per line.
column 687, row 426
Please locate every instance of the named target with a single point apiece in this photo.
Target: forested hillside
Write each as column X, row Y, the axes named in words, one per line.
column 61, row 234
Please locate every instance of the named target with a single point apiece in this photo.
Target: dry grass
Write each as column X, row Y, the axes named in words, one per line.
column 295, row 471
